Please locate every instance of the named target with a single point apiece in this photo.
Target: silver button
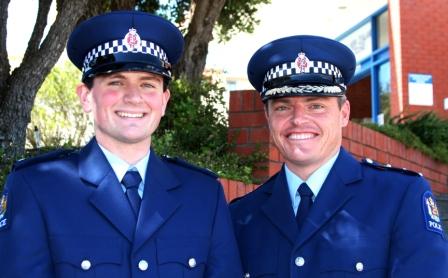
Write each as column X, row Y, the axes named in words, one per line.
column 359, row 266
column 86, row 265
column 143, row 265
column 300, row 261
column 192, row 262
column 247, row 275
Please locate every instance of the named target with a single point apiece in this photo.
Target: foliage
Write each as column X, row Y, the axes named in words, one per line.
column 57, row 113
column 425, row 132
column 195, row 129
column 236, row 16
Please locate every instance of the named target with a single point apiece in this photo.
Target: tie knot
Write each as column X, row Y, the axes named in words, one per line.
column 305, row 191
column 131, row 179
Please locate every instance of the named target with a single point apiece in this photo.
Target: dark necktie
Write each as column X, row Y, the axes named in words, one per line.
column 306, row 201
column 131, row 181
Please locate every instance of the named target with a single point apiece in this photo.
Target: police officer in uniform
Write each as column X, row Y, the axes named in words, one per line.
column 324, row 214
column 115, row 208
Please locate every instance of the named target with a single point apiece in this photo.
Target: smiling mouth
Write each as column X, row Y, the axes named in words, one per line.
column 301, row 136
column 130, row 115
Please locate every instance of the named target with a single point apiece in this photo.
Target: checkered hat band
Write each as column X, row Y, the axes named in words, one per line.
column 290, row 69
column 117, row 46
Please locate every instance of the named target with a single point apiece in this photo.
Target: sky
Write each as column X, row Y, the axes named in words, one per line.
column 281, row 18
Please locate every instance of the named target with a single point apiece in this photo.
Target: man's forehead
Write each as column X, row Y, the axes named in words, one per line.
column 134, row 74
column 301, row 99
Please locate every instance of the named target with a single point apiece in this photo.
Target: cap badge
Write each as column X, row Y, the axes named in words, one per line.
column 302, row 63
column 132, row 39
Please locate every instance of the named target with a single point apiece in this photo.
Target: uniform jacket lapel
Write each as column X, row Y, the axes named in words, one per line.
column 335, row 192
column 158, row 204
column 278, row 208
column 108, row 198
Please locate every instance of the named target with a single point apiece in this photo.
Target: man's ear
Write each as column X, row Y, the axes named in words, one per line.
column 85, row 97
column 266, row 110
column 165, row 98
column 345, row 113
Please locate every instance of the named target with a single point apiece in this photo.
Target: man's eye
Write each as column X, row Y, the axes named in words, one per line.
column 114, row 83
column 148, row 85
column 316, row 106
column 280, row 108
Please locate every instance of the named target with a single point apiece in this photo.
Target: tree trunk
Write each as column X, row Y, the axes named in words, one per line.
column 200, row 33
column 18, row 91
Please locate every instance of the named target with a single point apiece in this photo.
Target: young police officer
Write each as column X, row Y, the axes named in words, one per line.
column 326, row 214
column 115, row 208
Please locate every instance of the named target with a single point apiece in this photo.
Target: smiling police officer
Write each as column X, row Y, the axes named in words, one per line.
column 115, row 208
column 326, row 214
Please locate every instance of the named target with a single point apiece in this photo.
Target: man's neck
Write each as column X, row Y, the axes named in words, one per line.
column 131, row 153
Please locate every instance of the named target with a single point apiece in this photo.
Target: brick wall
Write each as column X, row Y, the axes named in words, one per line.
column 417, row 45
column 248, row 127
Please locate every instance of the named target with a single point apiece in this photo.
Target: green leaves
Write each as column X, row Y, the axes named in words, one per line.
column 425, row 132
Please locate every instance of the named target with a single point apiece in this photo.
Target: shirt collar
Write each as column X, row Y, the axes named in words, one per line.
column 120, row 166
column 315, row 181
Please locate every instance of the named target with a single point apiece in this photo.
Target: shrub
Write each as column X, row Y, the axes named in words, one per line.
column 424, row 131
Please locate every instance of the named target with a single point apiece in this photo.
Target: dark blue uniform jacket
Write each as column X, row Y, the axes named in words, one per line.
column 367, row 221
column 67, row 210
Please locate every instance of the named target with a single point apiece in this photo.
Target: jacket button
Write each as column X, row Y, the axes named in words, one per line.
column 143, row 265
column 192, row 262
column 86, row 265
column 359, row 266
column 247, row 275
column 300, row 261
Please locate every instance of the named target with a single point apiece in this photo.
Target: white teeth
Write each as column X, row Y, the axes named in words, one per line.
column 130, row 115
column 301, row 136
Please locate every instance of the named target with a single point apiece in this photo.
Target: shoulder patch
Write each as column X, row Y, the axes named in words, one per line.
column 183, row 163
column 3, row 210
column 23, row 163
column 431, row 212
column 388, row 167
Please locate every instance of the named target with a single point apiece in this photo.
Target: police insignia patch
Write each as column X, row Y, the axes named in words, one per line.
column 432, row 217
column 3, row 206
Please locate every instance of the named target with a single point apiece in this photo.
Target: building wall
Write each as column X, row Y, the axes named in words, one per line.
column 418, row 45
column 248, row 128
column 359, row 96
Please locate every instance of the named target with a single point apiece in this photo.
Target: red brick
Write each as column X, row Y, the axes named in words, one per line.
column 235, row 102
column 356, row 149
column 241, row 189
column 259, row 135
column 383, row 157
column 249, row 119
column 370, row 153
column 248, row 100
column 233, row 190
column 238, row 136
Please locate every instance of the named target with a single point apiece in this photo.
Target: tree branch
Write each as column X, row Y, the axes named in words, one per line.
column 4, row 62
column 39, row 27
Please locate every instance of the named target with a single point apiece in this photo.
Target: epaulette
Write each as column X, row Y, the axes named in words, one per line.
column 53, row 155
column 388, row 167
column 183, row 163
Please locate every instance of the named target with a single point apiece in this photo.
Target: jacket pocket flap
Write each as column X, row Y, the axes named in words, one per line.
column 189, row 251
column 95, row 250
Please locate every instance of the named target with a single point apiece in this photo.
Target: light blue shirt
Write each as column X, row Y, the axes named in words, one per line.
column 315, row 181
column 120, row 168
